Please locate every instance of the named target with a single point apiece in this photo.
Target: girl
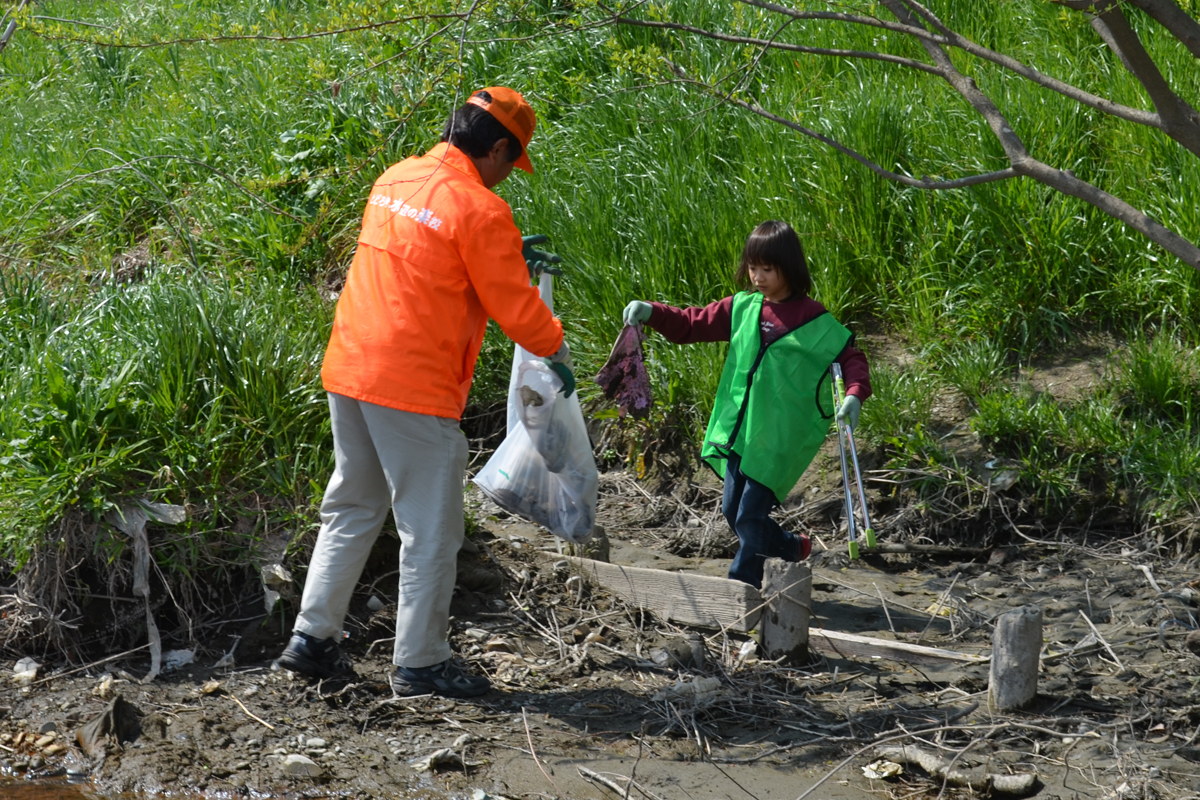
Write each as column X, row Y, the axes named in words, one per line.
column 774, row 404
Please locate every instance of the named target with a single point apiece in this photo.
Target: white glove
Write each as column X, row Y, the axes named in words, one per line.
column 849, row 411
column 636, row 313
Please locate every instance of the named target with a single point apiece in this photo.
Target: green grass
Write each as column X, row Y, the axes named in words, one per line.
column 241, row 168
column 177, row 389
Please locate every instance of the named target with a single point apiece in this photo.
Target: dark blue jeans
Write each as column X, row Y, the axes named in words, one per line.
column 747, row 506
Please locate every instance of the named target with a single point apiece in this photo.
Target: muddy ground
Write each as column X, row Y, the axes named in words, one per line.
column 586, row 704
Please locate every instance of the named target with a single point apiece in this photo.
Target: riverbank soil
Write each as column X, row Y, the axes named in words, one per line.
column 594, row 699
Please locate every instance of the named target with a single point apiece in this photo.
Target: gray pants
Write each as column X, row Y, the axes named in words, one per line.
column 414, row 464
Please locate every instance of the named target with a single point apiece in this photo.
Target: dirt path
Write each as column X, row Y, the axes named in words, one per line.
column 582, row 684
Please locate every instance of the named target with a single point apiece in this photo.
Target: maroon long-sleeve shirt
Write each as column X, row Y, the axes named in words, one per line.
column 714, row 323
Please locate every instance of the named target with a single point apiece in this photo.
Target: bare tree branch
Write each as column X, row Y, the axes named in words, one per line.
column 920, row 183
column 949, row 38
column 912, row 17
column 775, row 45
column 1175, row 20
column 1066, row 182
column 1180, row 120
column 12, row 25
column 834, row 16
column 1025, row 164
column 955, row 39
column 257, row 37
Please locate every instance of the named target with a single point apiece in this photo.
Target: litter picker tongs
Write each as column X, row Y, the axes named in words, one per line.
column 846, row 441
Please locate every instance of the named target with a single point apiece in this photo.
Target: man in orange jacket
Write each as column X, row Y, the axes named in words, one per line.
column 438, row 255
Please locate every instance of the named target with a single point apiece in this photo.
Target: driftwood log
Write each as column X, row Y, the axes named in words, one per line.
column 977, row 780
column 787, row 593
column 1016, row 649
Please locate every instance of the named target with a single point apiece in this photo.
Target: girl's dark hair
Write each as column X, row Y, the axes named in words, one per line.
column 474, row 131
column 775, row 244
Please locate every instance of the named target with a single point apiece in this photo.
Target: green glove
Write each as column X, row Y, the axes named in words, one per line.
column 538, row 261
column 849, row 411
column 564, row 368
column 636, row 313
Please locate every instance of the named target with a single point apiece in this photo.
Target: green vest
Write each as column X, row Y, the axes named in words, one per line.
column 774, row 404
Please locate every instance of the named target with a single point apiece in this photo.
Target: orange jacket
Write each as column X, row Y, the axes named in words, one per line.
column 438, row 254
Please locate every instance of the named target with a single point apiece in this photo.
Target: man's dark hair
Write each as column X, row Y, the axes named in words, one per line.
column 474, row 131
column 775, row 244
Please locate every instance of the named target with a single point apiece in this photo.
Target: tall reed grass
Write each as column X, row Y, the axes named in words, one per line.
column 241, row 167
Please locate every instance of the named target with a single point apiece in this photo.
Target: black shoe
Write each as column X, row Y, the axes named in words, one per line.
column 446, row 679
column 316, row 658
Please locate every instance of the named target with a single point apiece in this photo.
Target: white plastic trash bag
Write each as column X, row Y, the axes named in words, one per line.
column 544, row 469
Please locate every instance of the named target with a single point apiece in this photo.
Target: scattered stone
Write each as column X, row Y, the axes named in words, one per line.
column 298, row 766
column 45, row 741
column 444, row 758
column 26, row 671
column 176, row 659
column 477, row 578
column 701, row 691
column 685, row 652
column 1192, row 642
column 374, row 604
column 984, row 582
column 315, row 743
column 48, row 727
column 882, row 770
column 209, row 687
column 476, row 634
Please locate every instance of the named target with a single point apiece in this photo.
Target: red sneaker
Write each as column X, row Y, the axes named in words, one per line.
column 805, row 546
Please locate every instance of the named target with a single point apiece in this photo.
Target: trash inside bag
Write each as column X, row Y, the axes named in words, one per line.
column 544, row 469
column 544, row 419
column 623, row 377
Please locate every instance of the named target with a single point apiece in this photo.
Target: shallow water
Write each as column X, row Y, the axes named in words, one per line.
column 45, row 790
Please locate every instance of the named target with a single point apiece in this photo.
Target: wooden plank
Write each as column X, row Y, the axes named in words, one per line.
column 850, row 644
column 708, row 602
column 683, row 597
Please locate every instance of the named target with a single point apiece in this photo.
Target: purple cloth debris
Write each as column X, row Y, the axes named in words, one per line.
column 623, row 377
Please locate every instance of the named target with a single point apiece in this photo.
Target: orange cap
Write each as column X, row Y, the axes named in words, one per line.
column 510, row 110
